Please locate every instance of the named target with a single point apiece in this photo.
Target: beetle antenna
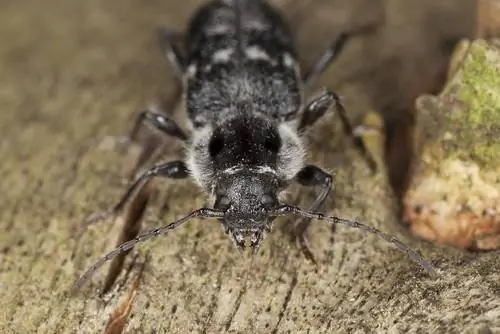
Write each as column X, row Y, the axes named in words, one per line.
column 284, row 210
column 203, row 212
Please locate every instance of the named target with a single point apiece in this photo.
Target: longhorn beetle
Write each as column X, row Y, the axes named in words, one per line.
column 243, row 91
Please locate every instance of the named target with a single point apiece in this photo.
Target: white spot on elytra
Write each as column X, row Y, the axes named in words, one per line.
column 191, row 70
column 288, row 60
column 218, row 29
column 256, row 52
column 222, row 56
column 255, row 25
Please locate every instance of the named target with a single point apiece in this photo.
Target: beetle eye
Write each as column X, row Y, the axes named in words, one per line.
column 268, row 201
column 223, row 203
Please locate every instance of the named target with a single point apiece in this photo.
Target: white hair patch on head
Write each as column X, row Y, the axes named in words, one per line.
column 258, row 170
column 265, row 170
column 232, row 170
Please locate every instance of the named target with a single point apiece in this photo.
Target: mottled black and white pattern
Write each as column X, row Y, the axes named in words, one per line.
column 236, row 59
column 242, row 83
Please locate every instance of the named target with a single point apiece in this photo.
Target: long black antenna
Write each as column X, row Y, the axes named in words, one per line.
column 203, row 212
column 415, row 256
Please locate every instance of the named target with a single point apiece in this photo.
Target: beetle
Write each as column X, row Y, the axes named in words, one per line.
column 243, row 89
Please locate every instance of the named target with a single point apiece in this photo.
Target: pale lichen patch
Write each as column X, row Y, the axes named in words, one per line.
column 454, row 197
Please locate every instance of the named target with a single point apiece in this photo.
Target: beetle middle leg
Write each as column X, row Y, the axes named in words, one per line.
column 313, row 176
column 174, row 170
column 168, row 43
column 316, row 108
column 159, row 123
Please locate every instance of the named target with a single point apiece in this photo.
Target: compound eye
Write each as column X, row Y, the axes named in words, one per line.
column 223, row 203
column 268, row 201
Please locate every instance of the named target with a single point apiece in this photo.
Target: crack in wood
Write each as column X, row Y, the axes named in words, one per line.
column 286, row 302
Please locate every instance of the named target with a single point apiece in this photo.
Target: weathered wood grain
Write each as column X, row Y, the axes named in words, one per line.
column 73, row 72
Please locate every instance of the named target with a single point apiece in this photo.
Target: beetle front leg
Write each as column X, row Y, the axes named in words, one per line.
column 173, row 170
column 160, row 123
column 312, row 176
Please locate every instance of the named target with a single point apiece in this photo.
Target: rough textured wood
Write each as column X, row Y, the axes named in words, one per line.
column 73, row 72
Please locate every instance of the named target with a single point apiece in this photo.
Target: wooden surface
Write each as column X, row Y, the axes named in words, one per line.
column 74, row 72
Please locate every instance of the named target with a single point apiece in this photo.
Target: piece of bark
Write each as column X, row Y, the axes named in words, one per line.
column 454, row 196
column 131, row 227
column 118, row 318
